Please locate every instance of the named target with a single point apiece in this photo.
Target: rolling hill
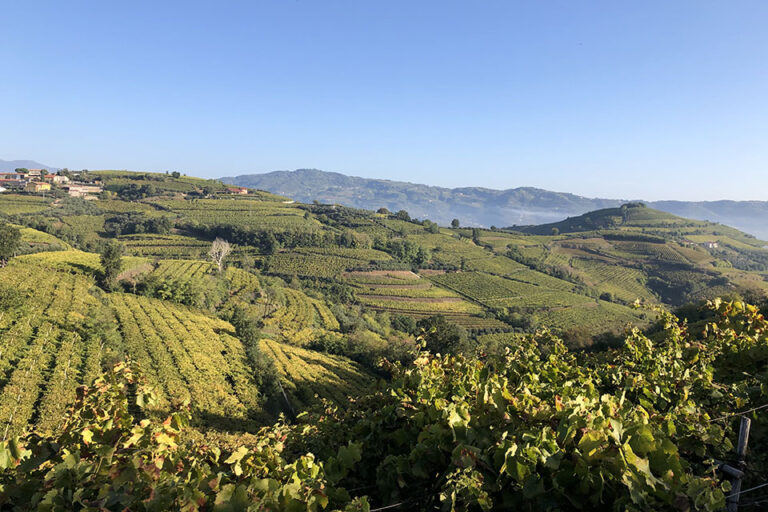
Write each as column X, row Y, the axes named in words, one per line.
column 346, row 357
column 477, row 206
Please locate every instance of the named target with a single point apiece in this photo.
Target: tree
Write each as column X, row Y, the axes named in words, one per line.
column 555, row 231
column 10, row 239
column 403, row 215
column 422, row 256
column 269, row 244
column 455, row 223
column 347, row 239
column 175, row 174
column 430, row 226
column 219, row 250
column 443, row 337
column 111, row 262
column 382, row 211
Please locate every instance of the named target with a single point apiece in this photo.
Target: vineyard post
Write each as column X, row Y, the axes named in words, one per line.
column 741, row 453
column 291, row 412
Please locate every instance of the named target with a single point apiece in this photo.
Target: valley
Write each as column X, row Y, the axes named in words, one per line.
column 317, row 309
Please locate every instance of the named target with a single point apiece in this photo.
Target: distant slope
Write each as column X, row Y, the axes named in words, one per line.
column 12, row 165
column 748, row 216
column 475, row 206
column 631, row 215
column 639, row 219
column 472, row 205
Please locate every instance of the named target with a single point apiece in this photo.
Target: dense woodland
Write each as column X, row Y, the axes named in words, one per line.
column 171, row 345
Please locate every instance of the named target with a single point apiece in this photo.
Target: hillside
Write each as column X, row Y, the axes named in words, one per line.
column 482, row 207
column 579, row 275
column 328, row 332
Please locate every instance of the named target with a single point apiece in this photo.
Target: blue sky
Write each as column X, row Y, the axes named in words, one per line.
column 653, row 100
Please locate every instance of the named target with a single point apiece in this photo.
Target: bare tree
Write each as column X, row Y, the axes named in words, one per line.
column 219, row 250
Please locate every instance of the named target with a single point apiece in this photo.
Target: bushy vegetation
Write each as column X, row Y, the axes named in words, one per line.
column 536, row 427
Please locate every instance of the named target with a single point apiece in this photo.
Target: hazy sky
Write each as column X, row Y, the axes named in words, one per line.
column 654, row 100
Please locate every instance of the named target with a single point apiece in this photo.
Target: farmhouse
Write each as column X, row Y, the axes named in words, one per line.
column 83, row 190
column 37, row 186
column 56, row 178
column 10, row 184
column 237, row 190
column 713, row 244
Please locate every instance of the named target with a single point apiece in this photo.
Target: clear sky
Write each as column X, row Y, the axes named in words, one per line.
column 653, row 100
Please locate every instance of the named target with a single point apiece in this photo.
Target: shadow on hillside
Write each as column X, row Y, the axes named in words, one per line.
column 221, row 423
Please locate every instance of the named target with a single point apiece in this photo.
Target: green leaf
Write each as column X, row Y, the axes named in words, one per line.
column 237, row 455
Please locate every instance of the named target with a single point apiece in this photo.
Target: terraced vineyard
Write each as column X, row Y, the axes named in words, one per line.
column 85, row 226
column 16, row 204
column 594, row 317
column 76, row 261
column 317, row 264
column 311, row 284
column 182, row 269
column 307, row 376
column 41, row 241
column 188, row 356
column 46, row 351
column 569, row 308
column 247, row 213
column 165, row 246
column 297, row 316
column 623, row 282
column 116, row 206
column 405, row 293
column 113, row 180
column 241, row 282
column 649, row 250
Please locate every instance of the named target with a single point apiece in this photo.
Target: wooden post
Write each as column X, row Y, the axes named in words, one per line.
column 291, row 412
column 741, row 453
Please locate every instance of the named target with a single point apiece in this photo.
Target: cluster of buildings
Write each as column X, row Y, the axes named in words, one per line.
column 30, row 180
column 39, row 180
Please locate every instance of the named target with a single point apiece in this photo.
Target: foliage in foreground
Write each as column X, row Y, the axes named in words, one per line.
column 105, row 459
column 537, row 428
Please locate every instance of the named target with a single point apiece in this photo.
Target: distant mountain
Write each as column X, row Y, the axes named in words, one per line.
column 475, row 206
column 12, row 165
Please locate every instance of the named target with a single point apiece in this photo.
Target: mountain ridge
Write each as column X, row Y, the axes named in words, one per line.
column 481, row 206
column 12, row 165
